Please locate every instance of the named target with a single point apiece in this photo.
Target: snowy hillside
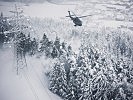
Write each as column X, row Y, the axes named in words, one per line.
column 29, row 84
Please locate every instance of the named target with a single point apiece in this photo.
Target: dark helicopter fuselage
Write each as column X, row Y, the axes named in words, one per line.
column 76, row 21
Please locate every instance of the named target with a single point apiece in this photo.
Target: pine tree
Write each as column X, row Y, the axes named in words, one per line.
column 2, row 39
column 57, row 43
column 21, row 40
column 43, row 42
column 34, row 46
column 55, row 52
column 4, row 25
column 58, row 82
column 28, row 43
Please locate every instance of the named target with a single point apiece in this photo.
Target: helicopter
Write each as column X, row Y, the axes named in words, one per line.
column 76, row 20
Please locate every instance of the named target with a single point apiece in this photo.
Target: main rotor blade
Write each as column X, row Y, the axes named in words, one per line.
column 16, row 12
column 84, row 16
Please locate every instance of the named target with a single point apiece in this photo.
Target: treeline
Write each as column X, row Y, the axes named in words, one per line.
column 91, row 76
column 25, row 44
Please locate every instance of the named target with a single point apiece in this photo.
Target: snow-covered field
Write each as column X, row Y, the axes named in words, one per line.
column 31, row 83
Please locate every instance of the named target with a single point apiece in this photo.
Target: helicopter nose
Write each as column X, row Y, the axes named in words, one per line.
column 80, row 24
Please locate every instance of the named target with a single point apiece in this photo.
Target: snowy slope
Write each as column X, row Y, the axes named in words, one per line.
column 30, row 84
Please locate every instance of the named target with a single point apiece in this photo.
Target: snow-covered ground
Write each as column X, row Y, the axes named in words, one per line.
column 30, row 84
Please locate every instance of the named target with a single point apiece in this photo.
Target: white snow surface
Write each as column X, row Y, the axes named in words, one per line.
column 30, row 84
